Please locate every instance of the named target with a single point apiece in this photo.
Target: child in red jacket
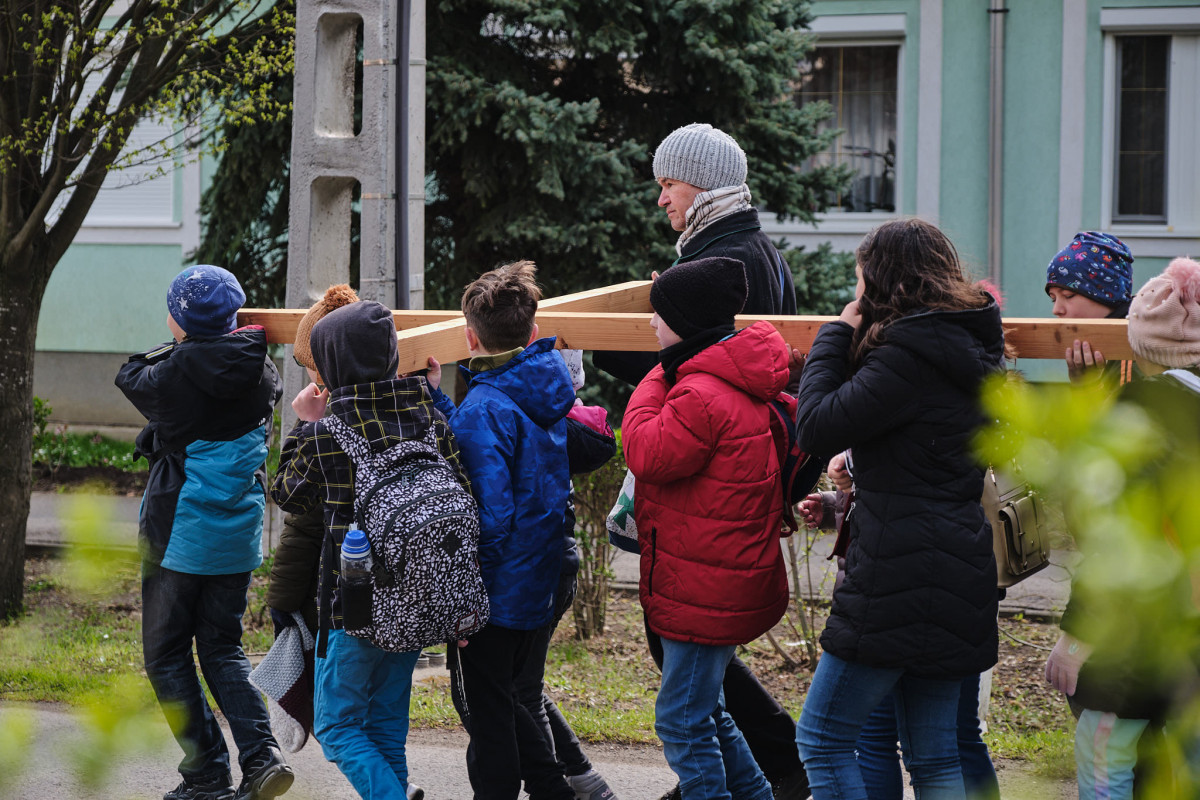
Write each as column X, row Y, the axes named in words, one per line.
column 697, row 437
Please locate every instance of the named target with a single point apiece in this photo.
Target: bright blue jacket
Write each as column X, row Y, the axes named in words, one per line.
column 512, row 435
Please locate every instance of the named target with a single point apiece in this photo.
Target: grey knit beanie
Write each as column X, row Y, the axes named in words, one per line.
column 701, row 155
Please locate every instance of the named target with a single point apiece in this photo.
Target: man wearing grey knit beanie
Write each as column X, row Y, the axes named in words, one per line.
column 702, row 172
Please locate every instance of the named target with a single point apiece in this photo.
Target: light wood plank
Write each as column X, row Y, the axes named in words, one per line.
column 1050, row 338
column 615, row 319
column 281, row 323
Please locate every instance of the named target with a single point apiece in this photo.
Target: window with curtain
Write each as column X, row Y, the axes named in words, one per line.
column 860, row 83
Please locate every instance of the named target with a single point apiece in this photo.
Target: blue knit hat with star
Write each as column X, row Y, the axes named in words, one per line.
column 204, row 300
column 1095, row 265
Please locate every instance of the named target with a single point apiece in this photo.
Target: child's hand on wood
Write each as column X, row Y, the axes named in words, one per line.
column 434, row 375
column 310, row 404
column 1083, row 361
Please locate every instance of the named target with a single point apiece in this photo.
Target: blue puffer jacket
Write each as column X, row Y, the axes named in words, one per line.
column 209, row 404
column 512, row 436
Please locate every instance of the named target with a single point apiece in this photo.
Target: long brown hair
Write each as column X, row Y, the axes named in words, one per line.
column 908, row 265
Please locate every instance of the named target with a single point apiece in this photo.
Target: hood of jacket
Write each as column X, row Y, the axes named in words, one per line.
column 755, row 360
column 355, row 344
column 965, row 346
column 225, row 366
column 536, row 380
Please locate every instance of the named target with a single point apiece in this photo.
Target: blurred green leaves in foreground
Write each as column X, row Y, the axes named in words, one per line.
column 115, row 713
column 1124, row 468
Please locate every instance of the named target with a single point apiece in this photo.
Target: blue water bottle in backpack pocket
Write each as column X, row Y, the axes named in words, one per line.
column 355, row 580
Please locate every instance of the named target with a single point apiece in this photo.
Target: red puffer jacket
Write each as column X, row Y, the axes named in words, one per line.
column 708, row 501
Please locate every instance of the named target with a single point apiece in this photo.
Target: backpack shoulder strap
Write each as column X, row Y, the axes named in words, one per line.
column 355, row 445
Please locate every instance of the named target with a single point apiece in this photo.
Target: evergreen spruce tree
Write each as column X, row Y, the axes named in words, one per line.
column 543, row 117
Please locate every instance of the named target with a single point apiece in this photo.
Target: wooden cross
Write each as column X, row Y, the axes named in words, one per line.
column 618, row 318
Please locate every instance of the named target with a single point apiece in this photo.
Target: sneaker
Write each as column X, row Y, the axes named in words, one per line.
column 265, row 775
column 674, row 794
column 590, row 786
column 793, row 787
column 212, row 788
column 414, row 792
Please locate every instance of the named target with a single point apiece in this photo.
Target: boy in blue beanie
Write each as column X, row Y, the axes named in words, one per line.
column 208, row 398
column 1091, row 278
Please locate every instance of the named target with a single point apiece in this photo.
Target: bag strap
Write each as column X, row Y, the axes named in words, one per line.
column 355, row 446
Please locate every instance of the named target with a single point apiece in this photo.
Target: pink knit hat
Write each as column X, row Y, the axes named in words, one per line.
column 1164, row 317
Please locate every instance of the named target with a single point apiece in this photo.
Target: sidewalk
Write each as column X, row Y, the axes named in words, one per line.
column 1043, row 595
column 436, row 762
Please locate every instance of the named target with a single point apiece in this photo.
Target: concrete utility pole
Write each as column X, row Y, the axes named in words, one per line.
column 330, row 158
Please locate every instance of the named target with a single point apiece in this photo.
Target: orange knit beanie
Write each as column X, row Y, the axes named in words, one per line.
column 335, row 297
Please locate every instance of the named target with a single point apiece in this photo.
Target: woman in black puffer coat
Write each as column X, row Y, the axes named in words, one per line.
column 897, row 380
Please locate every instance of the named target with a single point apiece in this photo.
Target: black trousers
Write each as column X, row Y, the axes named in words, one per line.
column 506, row 742
column 769, row 730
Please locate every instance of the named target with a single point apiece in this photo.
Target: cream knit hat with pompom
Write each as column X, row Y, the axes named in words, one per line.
column 1164, row 317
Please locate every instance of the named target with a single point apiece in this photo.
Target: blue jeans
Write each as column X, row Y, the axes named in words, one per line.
column 700, row 740
column 840, row 701
column 178, row 608
column 879, row 759
column 1106, row 753
column 360, row 708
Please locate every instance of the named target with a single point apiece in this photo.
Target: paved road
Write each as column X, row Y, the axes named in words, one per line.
column 435, row 759
column 52, row 515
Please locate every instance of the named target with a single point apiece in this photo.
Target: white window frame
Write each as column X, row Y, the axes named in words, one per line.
column 845, row 229
column 1183, row 127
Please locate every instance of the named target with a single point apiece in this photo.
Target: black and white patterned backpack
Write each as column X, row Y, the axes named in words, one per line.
column 423, row 527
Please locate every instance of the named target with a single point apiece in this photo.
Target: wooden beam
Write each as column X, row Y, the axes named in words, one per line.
column 617, row 318
column 1032, row 338
column 446, row 341
column 281, row 323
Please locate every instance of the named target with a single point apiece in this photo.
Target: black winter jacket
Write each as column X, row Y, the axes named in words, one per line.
column 768, row 278
column 208, row 404
column 920, row 586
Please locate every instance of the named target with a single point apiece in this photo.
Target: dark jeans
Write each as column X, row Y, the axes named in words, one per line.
column 556, row 731
column 178, row 608
column 767, row 727
column 880, row 762
column 507, row 745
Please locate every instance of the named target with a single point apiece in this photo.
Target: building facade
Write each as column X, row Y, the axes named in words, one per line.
column 1096, row 127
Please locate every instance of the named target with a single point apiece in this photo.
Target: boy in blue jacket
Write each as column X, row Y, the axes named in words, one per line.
column 208, row 397
column 512, row 431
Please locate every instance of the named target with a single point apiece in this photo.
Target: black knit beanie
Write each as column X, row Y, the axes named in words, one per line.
column 699, row 295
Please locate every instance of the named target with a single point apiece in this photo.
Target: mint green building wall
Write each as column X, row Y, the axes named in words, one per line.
column 108, row 298
column 963, row 188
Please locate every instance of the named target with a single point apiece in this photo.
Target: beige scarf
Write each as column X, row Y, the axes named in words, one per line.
column 710, row 206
